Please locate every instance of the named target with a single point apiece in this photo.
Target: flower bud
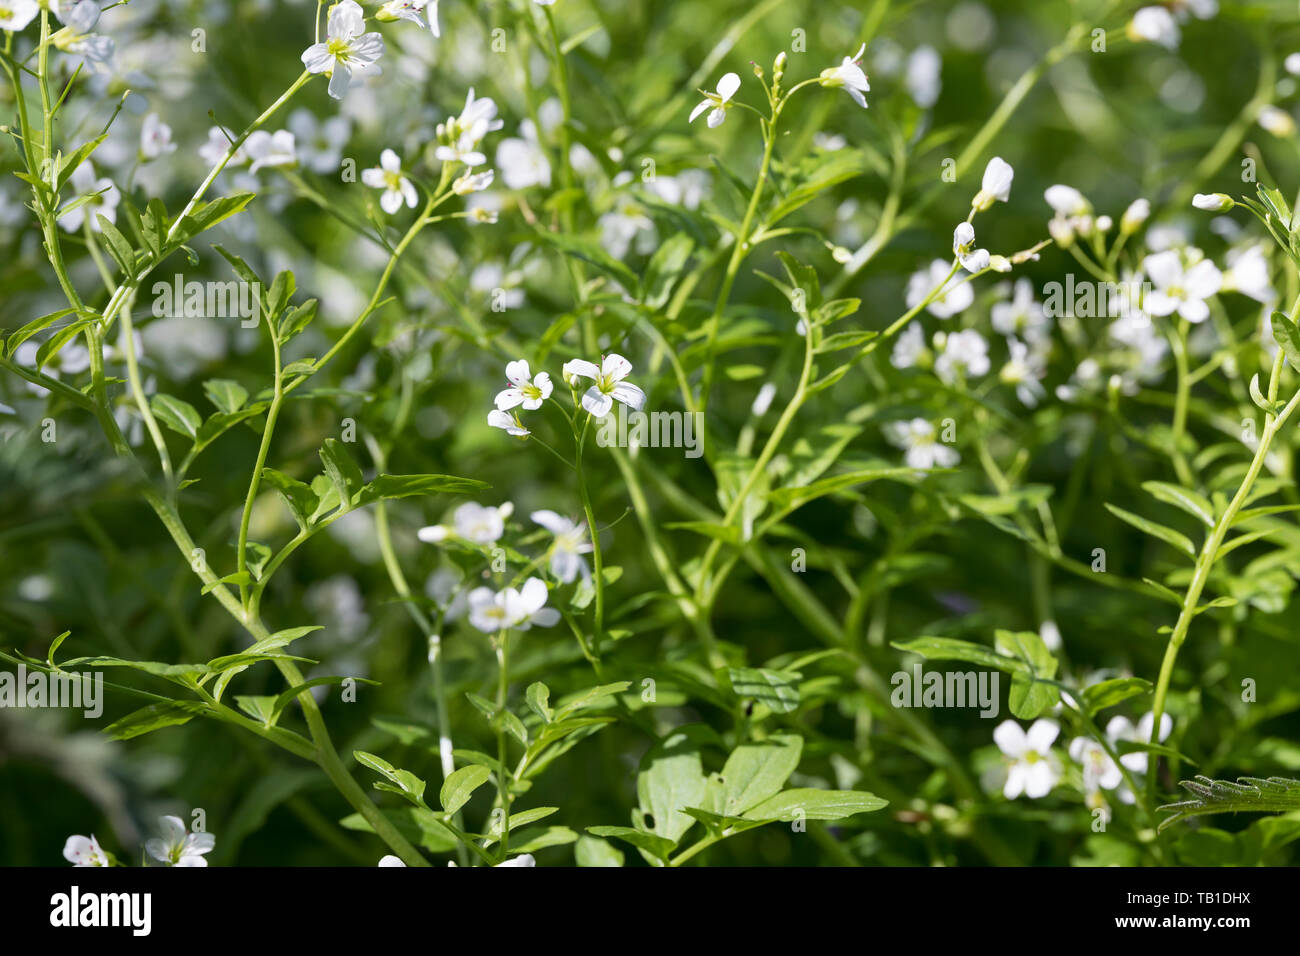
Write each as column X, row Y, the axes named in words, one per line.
column 1137, row 213
column 1212, row 202
column 1061, row 231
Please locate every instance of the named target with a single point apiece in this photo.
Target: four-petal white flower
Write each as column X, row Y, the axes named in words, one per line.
column 524, row 390
column 177, row 846
column 1179, row 288
column 388, row 177
column 608, row 384
column 850, row 76
column 1034, row 769
column 720, row 101
column 571, row 543
column 347, row 47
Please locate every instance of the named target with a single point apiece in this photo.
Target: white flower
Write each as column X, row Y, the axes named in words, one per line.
column 848, row 75
column 524, row 859
column 1067, row 201
column 1100, row 772
column 624, row 225
column 924, row 76
column 347, row 47
column 1276, row 121
column 214, row 150
column 1212, row 202
column 320, row 142
column 1155, row 25
column 410, row 10
column 76, row 39
column 954, row 298
column 1247, row 273
column 1292, row 64
column 917, row 439
column 963, row 247
column 508, row 423
column 996, row 184
column 155, row 137
column 609, row 384
column 1025, row 370
column 522, row 160
column 571, row 542
column 1023, row 316
column 388, row 177
column 491, row 611
column 720, row 101
column 1034, row 770
column 523, row 390
column 472, row 182
column 177, row 846
column 270, row 150
column 85, row 851
column 965, row 354
column 471, row 522
column 16, row 14
column 103, row 202
column 911, row 348
column 763, row 400
column 461, row 135
column 1121, row 728
column 1178, row 289
column 391, row 860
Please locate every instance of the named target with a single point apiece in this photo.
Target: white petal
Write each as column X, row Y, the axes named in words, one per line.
column 728, row 85
column 1010, row 738
column 1042, row 734
column 597, row 402
column 630, row 395
column 517, row 372
column 615, row 367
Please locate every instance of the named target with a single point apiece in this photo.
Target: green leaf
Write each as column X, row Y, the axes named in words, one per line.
column 1167, row 535
column 656, row 846
column 671, row 778
column 123, row 252
column 1287, row 336
column 951, row 649
column 460, row 785
column 342, row 470
column 538, row 695
column 228, row 396
column 594, row 852
column 589, row 697
column 1108, row 693
column 406, row 486
column 1028, row 698
column 172, row 713
column 756, row 771
column 302, row 501
column 33, row 327
column 777, row 690
column 1247, row 795
column 1194, row 504
column 792, row 497
column 811, row 804
column 180, row 416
